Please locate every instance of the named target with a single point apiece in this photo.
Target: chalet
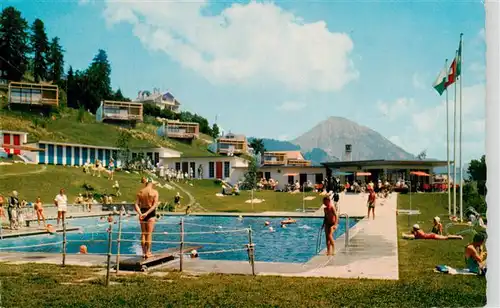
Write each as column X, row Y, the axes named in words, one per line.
column 232, row 144
column 33, row 94
column 165, row 100
column 285, row 158
column 112, row 111
column 181, row 130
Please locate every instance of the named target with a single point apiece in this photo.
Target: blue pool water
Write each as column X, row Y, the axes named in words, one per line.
column 296, row 243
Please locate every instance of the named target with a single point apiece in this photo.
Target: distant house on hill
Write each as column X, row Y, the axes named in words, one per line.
column 33, row 94
column 162, row 100
column 232, row 144
column 176, row 129
column 125, row 112
column 285, row 158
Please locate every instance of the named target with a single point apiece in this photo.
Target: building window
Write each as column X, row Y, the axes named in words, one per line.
column 211, row 169
column 267, row 175
column 227, row 167
column 177, row 166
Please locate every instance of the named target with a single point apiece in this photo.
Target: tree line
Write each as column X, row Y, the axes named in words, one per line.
column 27, row 54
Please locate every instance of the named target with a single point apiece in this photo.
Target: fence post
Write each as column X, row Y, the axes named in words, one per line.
column 110, row 237
column 251, row 251
column 182, row 245
column 64, row 242
column 118, row 240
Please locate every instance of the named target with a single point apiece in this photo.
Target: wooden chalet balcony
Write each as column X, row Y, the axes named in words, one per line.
column 274, row 158
column 123, row 111
column 298, row 162
column 182, row 130
column 236, row 146
column 33, row 94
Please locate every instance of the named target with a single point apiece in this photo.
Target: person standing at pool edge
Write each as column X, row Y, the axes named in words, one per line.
column 61, row 202
column 145, row 206
column 330, row 223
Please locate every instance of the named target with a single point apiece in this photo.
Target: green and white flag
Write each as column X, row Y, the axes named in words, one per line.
column 441, row 81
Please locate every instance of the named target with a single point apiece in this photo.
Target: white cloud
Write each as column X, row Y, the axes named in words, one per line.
column 283, row 137
column 250, row 43
column 291, row 106
column 426, row 127
column 399, row 108
column 417, row 82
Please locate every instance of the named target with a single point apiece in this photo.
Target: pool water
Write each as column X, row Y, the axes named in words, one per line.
column 296, row 243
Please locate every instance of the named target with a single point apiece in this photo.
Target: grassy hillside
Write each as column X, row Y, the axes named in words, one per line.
column 65, row 126
column 32, row 181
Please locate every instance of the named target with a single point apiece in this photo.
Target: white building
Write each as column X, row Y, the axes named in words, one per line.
column 289, row 174
column 230, row 168
column 162, row 100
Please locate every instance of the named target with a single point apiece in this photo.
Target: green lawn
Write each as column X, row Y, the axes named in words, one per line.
column 43, row 285
column 66, row 128
column 205, row 192
column 47, row 183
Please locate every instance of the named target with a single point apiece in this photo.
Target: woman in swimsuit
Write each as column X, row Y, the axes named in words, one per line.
column 475, row 258
column 419, row 234
column 330, row 224
column 39, row 211
column 437, row 228
column 371, row 202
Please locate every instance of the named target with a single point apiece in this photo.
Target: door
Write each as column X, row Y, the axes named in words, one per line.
column 51, row 154
column 267, row 175
column 100, row 155
column 85, row 155
column 185, row 167
column 291, row 179
column 319, row 178
column 17, row 141
column 69, row 155
column 302, row 178
column 92, row 155
column 6, row 140
column 218, row 170
column 41, row 154
column 77, row 156
column 59, row 154
column 192, row 166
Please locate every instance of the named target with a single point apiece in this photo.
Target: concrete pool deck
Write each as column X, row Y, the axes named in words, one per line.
column 372, row 252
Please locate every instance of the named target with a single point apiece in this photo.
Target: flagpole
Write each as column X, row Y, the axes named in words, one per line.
column 455, row 146
column 448, row 142
column 460, row 137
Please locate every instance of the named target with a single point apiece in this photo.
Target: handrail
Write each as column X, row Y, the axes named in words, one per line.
column 346, row 233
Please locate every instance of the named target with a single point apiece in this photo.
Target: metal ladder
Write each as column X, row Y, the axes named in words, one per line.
column 346, row 233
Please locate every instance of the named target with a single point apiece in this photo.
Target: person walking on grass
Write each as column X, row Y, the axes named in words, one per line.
column 371, row 202
column 330, row 223
column 177, row 201
column 61, row 202
column 145, row 206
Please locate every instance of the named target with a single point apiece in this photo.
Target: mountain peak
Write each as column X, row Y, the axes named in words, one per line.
column 332, row 134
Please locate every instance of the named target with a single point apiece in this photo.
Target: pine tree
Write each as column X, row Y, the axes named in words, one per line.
column 98, row 81
column 55, row 61
column 71, row 88
column 13, row 45
column 40, row 49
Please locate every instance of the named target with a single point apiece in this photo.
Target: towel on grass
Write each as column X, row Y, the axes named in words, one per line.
column 445, row 269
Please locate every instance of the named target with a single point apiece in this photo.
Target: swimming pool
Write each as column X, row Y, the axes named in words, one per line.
column 296, row 243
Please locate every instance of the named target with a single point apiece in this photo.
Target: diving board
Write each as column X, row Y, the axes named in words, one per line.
column 138, row 263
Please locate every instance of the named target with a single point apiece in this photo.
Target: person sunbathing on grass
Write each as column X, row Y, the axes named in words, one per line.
column 475, row 257
column 437, row 228
column 419, row 234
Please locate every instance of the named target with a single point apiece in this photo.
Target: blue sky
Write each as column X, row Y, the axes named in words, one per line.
column 276, row 69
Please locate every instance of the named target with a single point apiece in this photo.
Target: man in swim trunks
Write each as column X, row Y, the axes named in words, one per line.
column 330, row 223
column 61, row 202
column 145, row 206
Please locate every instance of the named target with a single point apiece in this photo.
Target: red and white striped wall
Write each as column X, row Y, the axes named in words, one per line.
column 12, row 138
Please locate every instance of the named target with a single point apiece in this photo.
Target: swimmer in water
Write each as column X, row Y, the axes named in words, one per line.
column 110, row 218
column 266, row 223
column 271, row 229
column 194, row 254
column 83, row 250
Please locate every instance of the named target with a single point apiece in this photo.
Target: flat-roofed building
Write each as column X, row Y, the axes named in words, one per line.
column 33, row 94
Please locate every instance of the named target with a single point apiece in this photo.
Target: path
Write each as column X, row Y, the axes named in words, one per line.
column 43, row 169
column 192, row 199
